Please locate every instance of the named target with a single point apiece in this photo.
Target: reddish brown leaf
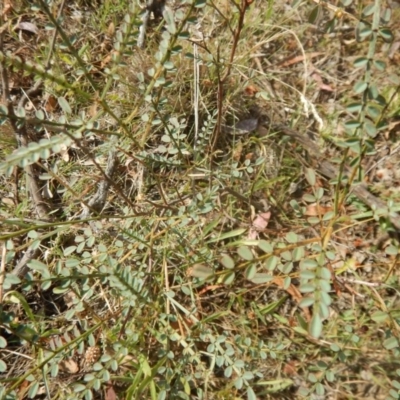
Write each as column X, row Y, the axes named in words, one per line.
column 315, row 210
column 110, row 393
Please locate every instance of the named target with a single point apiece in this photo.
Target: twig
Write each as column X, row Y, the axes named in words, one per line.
column 222, row 79
column 97, row 202
column 2, row 270
column 22, row 267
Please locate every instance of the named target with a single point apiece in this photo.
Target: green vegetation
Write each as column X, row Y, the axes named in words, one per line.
column 199, row 200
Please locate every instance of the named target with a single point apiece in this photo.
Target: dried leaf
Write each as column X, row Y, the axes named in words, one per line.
column 259, row 224
column 251, row 90
column 110, row 393
column 51, row 104
column 261, row 221
column 27, row 26
column 69, row 366
column 7, row 201
column 321, row 85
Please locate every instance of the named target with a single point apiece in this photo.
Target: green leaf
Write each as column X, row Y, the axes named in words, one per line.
column 265, row 246
column 325, row 286
column 228, row 235
column 309, row 263
column 3, row 342
column 89, row 377
column 33, row 390
column 286, row 255
column 228, row 372
column 37, row 265
column 379, row 65
column 310, row 176
column 396, row 384
column 69, row 250
column 306, row 302
column 325, row 298
column 169, row 19
column 360, row 62
column 354, row 107
column 40, row 115
column 313, row 220
column 309, row 198
column 287, row 281
column 392, row 250
column 239, row 364
column 307, row 288
column 386, row 34
column 271, row 263
column 325, row 273
column 11, row 280
column 314, row 15
column 20, row 112
column 46, row 285
column 250, row 272
column 360, row 87
column 298, row 253
column 228, row 278
column 60, row 290
column 145, row 366
column 363, row 30
column 334, row 347
column 379, row 316
column 315, row 326
column 239, row 383
column 291, row 237
column 200, row 3
column 312, row 378
column 184, row 35
column 368, row 10
column 176, row 50
column 386, row 14
column 227, row 261
column 71, row 262
column 260, row 278
column 201, row 271
column 3, row 110
column 373, row 111
column 3, row 367
column 307, row 274
column 250, row 394
column 169, row 65
column 373, row 91
column 64, row 105
column 78, row 387
column 270, row 308
column 245, row 253
column 319, row 389
column 370, row 128
column 160, row 81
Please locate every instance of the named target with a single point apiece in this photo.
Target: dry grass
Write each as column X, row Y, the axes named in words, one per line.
column 190, row 281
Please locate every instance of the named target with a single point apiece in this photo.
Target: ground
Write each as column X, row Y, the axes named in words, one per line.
column 199, row 200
